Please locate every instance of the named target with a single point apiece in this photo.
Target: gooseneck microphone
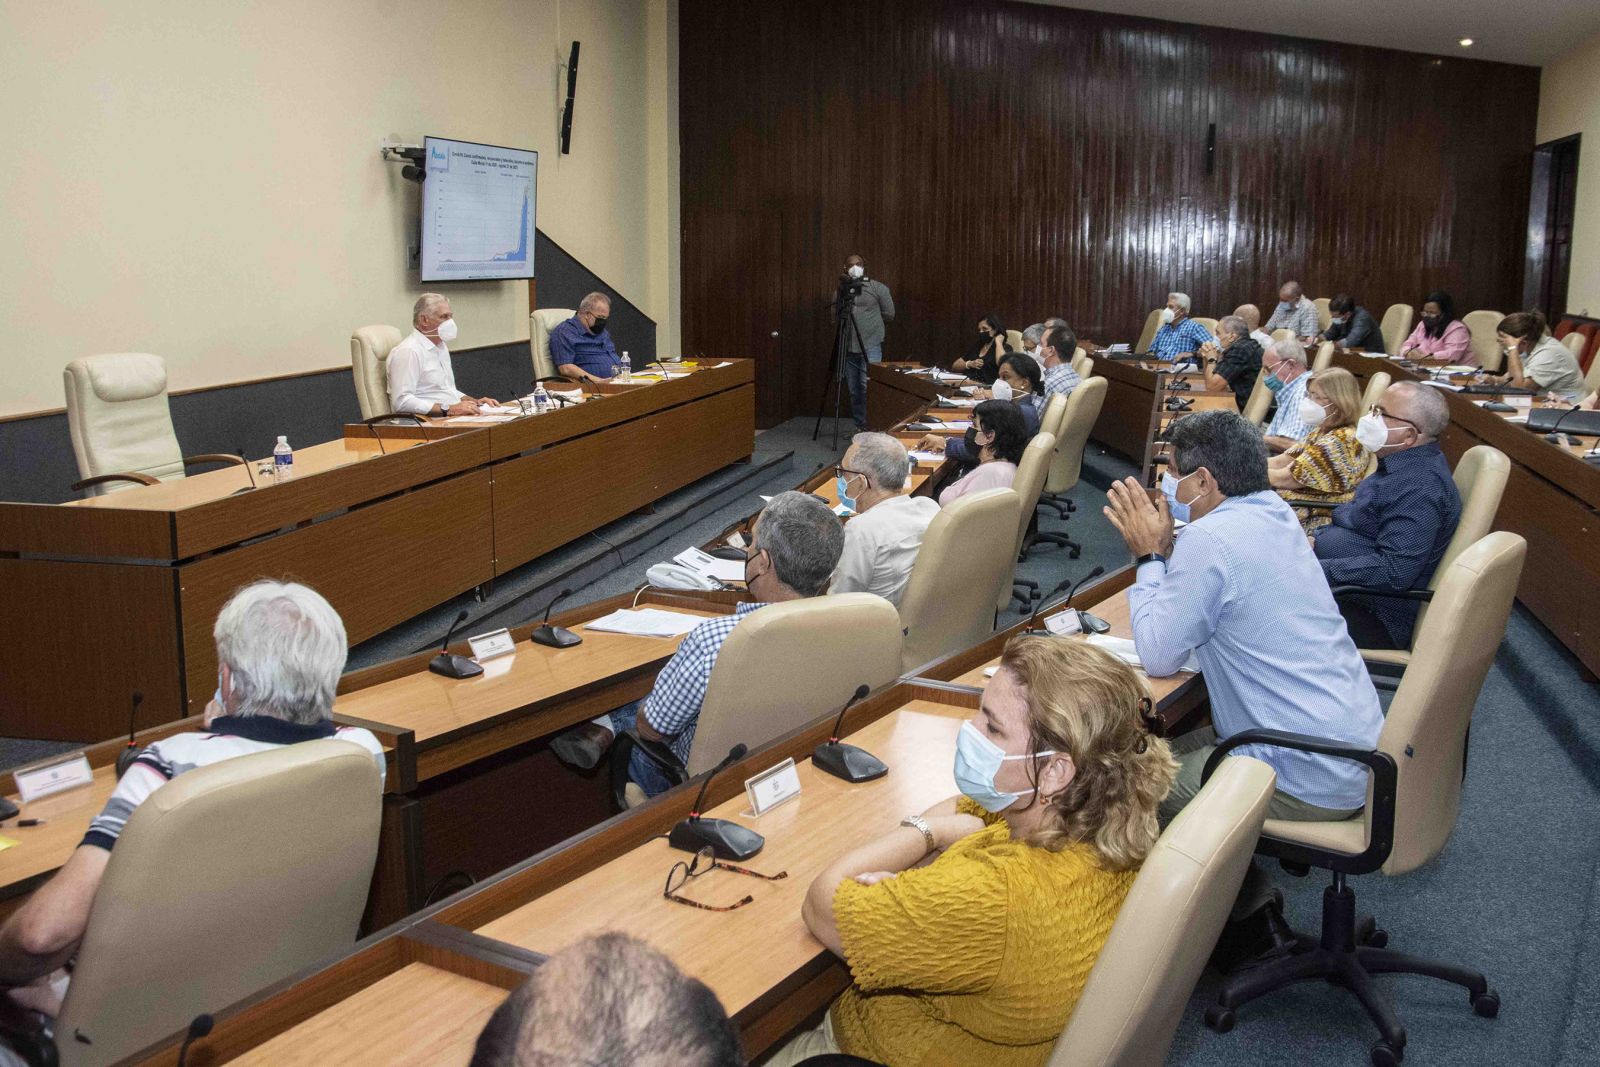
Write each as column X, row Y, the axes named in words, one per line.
column 1044, row 603
column 728, row 840
column 131, row 752
column 199, row 1027
column 1554, row 436
column 555, row 636
column 1087, row 622
column 847, row 761
column 248, row 470
column 452, row 666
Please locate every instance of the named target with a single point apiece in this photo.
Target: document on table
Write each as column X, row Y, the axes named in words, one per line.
column 948, row 376
column 723, row 570
column 1437, row 384
column 934, row 458
column 1123, row 649
column 956, row 424
column 960, row 401
column 645, row 622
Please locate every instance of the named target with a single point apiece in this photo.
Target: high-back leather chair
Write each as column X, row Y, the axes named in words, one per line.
column 1574, row 342
column 1396, row 326
column 1591, row 379
column 1283, row 333
column 1324, row 316
column 1375, row 386
column 1029, row 483
column 1082, row 364
column 946, row 605
column 1414, row 793
column 540, row 322
column 1259, row 402
column 787, row 664
column 225, row 880
column 1324, row 357
column 1209, row 324
column 1482, row 325
column 1152, row 323
column 121, row 424
column 1014, row 339
column 369, row 362
column 1066, row 466
column 1169, row 922
column 1054, row 415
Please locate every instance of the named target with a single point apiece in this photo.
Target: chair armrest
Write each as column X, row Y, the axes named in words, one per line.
column 1324, row 505
column 102, row 479
column 662, row 756
column 213, row 457
column 411, row 415
column 1380, row 816
column 1423, row 595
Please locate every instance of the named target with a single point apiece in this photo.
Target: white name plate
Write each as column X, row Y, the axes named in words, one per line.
column 53, row 776
column 1064, row 623
column 492, row 644
column 772, row 787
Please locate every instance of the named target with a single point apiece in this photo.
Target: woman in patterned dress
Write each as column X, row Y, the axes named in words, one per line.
column 1330, row 463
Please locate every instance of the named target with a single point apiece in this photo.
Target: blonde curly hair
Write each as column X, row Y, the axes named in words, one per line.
column 1086, row 703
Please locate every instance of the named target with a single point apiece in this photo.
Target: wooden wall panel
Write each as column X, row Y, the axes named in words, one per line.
column 1032, row 160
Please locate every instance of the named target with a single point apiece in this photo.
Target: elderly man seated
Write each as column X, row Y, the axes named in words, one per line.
column 1295, row 311
column 1179, row 335
column 1393, row 534
column 280, row 649
column 1252, row 319
column 882, row 541
column 1234, row 362
column 1285, row 363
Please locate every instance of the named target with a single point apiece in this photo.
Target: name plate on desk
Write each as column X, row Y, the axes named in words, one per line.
column 772, row 787
column 492, row 644
column 53, row 776
column 1064, row 623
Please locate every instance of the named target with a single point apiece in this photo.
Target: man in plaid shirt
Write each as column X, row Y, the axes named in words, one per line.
column 794, row 548
column 1179, row 334
column 1295, row 311
column 1057, row 348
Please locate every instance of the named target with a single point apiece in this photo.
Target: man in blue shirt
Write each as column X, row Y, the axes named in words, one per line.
column 1179, row 335
column 580, row 347
column 1287, row 377
column 1240, row 590
column 1393, row 534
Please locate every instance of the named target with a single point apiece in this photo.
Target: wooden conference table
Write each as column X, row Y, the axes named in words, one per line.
column 127, row 585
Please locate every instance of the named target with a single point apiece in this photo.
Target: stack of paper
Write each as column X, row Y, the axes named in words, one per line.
column 645, row 622
column 956, row 424
column 1123, row 649
column 949, row 376
column 960, row 401
column 723, row 570
column 934, row 458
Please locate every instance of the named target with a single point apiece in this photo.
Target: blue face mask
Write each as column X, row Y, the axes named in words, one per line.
column 1272, row 383
column 841, row 483
column 1169, row 489
column 1285, row 305
column 978, row 760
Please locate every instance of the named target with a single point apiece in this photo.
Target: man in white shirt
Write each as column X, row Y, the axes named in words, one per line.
column 882, row 541
column 1252, row 318
column 421, row 380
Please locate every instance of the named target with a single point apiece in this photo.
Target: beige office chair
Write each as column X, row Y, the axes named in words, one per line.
column 1168, row 924
column 1260, row 401
column 1083, row 365
column 369, row 362
column 1396, row 327
column 1209, row 324
column 121, row 424
column 1152, row 323
column 1415, row 776
column 1283, row 333
column 1482, row 325
column 1375, row 386
column 1054, row 415
column 1029, row 483
column 1480, row 477
column 1014, row 339
column 1083, row 411
column 946, row 605
column 540, row 323
column 1591, row 380
column 1574, row 342
column 1324, row 357
column 227, row 879
column 1324, row 316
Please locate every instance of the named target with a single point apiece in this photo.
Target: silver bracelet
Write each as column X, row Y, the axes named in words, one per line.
column 918, row 823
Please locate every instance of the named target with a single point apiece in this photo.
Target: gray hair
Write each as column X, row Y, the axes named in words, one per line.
column 594, row 300
column 1225, row 444
column 1290, row 350
column 1181, row 298
column 285, row 647
column 426, row 304
column 1034, row 333
column 804, row 538
column 1234, row 325
column 883, row 459
column 1055, row 320
column 1425, row 406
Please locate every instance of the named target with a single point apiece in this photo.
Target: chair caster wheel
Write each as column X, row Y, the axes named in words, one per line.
column 1378, row 938
column 1219, row 1019
column 1486, row 1004
column 1386, row 1055
column 1074, row 553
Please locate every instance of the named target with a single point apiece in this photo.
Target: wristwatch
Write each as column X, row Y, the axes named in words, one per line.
column 918, row 823
column 1150, row 557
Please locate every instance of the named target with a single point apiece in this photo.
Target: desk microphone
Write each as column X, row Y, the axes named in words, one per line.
column 555, row 636
column 130, row 753
column 847, row 761
column 200, row 1026
column 1555, row 438
column 729, row 840
column 248, row 472
column 1033, row 623
column 1087, row 622
column 454, row 666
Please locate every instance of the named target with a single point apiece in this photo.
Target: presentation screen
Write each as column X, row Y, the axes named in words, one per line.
column 477, row 211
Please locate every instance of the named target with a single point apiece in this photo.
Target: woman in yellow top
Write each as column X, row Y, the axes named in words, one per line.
column 1330, row 462
column 971, row 929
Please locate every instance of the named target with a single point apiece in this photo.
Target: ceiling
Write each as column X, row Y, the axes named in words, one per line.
column 1532, row 32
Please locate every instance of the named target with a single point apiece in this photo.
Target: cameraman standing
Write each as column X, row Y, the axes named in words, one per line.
column 868, row 302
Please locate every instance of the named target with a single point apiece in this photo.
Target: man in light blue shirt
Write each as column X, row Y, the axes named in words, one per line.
column 1241, row 589
column 1179, row 335
column 1287, row 377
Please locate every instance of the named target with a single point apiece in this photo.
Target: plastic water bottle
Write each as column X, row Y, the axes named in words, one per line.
column 541, row 400
column 282, row 461
column 627, row 367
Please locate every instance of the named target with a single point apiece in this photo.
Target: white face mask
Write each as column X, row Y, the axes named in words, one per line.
column 1311, row 412
column 858, row 271
column 1002, row 390
column 1372, row 432
column 1166, row 316
column 447, row 330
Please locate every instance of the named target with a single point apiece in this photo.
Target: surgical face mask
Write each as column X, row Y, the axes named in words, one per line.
column 842, row 483
column 1341, row 321
column 599, row 324
column 1166, row 316
column 978, row 760
column 1311, row 412
column 1372, row 432
column 1272, row 383
column 447, row 330
column 1169, row 489
column 858, row 271
column 1002, row 390
column 1285, row 305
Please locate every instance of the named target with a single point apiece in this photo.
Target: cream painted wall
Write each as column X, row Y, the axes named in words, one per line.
column 1569, row 103
column 201, row 178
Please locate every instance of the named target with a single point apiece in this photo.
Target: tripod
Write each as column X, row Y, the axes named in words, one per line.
column 849, row 289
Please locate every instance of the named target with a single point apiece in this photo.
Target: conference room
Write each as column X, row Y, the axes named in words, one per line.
column 653, row 532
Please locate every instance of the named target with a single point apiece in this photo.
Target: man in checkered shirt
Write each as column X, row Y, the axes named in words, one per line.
column 1285, row 364
column 1179, row 335
column 794, row 547
column 1295, row 311
column 1057, row 348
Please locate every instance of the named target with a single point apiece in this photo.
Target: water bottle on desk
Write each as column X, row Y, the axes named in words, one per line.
column 626, row 372
column 541, row 400
column 282, row 461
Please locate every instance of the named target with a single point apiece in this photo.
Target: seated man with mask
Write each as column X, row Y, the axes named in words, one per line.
column 882, row 541
column 1393, row 534
column 794, row 548
column 1285, row 362
column 1240, row 590
column 420, row 377
column 1179, row 335
column 581, row 348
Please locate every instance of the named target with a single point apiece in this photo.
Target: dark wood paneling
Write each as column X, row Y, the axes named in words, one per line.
column 1036, row 160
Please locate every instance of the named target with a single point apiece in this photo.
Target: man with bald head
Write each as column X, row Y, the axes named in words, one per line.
column 581, row 347
column 1393, row 534
column 1252, row 320
column 1295, row 311
column 420, row 377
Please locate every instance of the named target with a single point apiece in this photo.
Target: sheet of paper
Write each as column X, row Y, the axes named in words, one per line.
column 928, row 457
column 1449, row 386
column 1123, row 649
column 949, row 376
column 957, row 424
column 645, row 622
column 960, row 401
column 723, row 570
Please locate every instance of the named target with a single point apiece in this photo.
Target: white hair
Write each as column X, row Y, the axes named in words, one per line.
column 1034, row 333
column 426, row 304
column 285, row 647
column 883, row 459
column 1181, row 298
column 1291, row 350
